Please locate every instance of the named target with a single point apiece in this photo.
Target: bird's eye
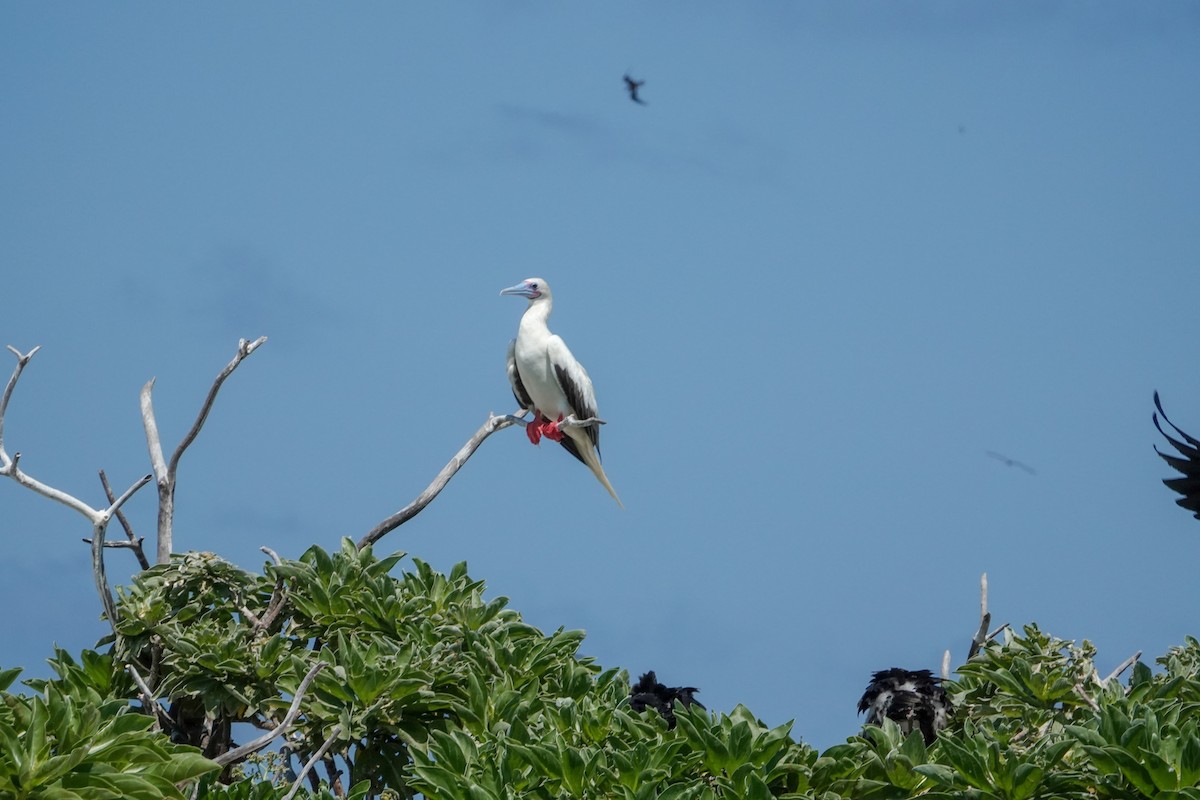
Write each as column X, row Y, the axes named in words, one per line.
column 533, row 286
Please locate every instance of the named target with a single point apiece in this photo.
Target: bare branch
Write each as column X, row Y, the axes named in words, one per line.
column 110, row 609
column 991, row 636
column 1124, row 665
column 157, row 462
column 22, row 360
column 985, row 619
column 1079, row 690
column 120, row 501
column 493, row 424
column 238, row 753
column 245, row 348
column 317, row 756
column 165, row 472
column 99, row 527
column 274, row 556
column 946, row 666
column 134, row 542
column 10, row 466
column 161, row 719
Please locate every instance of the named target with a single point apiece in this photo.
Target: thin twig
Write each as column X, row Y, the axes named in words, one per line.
column 134, row 542
column 1124, row 665
column 992, row 636
column 255, row 745
column 493, row 424
column 245, row 348
column 22, row 360
column 165, row 472
column 308, row 765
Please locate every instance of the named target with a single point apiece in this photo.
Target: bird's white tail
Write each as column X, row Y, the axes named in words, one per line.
column 592, row 459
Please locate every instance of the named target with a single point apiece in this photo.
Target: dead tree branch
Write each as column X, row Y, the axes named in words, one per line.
column 278, row 596
column 493, row 424
column 985, row 619
column 312, row 762
column 1124, row 665
column 165, row 472
column 99, row 518
column 238, row 753
column 99, row 526
column 161, row 719
column 134, row 543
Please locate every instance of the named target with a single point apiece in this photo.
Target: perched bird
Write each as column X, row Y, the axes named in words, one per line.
column 1189, row 466
column 547, row 380
column 649, row 693
column 632, row 86
column 913, row 699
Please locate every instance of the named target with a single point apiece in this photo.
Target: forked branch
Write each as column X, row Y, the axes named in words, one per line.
column 99, row 518
column 164, row 471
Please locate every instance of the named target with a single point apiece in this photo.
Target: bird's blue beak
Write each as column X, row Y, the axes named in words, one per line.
column 522, row 289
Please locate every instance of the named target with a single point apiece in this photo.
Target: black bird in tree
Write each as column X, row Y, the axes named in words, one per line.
column 913, row 699
column 649, row 693
column 1189, row 466
column 632, row 86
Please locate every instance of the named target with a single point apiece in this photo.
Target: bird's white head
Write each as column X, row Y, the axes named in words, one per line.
column 530, row 288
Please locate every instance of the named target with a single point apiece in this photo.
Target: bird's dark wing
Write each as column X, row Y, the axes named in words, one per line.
column 514, row 377
column 1189, row 466
column 649, row 693
column 913, row 699
column 582, row 399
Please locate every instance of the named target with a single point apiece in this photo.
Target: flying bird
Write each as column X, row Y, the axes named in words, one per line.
column 1011, row 462
column 1189, row 466
column 632, row 86
column 649, row 693
column 913, row 699
column 547, row 380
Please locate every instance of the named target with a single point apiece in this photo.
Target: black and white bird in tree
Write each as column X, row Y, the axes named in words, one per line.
column 548, row 381
column 913, row 699
column 649, row 693
column 1188, row 486
column 632, row 87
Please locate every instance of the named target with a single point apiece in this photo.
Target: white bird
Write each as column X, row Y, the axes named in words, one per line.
column 547, row 380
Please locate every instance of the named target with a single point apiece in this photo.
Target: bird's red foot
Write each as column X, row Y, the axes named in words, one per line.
column 533, row 430
column 551, row 430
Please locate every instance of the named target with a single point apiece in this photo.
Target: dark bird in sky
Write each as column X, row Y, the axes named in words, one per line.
column 632, row 86
column 913, row 699
column 1189, row 466
column 649, row 693
column 1011, row 462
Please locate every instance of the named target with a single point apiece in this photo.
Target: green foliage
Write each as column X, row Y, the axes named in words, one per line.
column 428, row 688
column 67, row 741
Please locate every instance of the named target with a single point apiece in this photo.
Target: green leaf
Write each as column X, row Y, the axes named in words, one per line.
column 7, row 676
column 183, row 766
column 1027, row 778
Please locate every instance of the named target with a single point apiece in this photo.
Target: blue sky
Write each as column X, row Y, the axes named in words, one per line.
column 845, row 250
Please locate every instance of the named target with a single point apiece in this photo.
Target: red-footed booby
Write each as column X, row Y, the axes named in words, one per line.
column 547, row 380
